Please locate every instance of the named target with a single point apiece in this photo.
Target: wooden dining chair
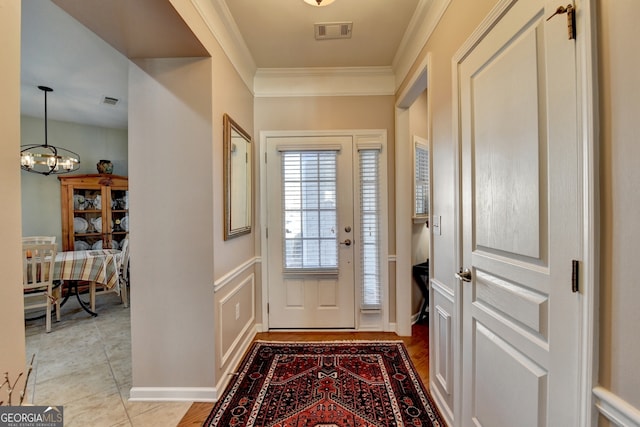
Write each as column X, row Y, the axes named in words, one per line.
column 38, row 261
column 124, row 268
column 38, row 239
column 98, row 289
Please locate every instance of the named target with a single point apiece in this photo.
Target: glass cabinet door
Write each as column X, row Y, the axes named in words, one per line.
column 87, row 219
column 119, row 214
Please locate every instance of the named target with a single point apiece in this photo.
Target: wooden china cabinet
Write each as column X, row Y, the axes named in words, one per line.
column 95, row 211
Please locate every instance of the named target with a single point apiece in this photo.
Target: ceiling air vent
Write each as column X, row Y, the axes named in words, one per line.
column 333, row 30
column 109, row 100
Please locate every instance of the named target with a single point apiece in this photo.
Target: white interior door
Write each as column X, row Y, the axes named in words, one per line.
column 521, row 213
column 310, row 232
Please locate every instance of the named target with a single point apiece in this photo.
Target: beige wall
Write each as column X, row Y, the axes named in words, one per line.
column 41, row 194
column 12, row 356
column 619, row 62
column 171, row 221
column 334, row 113
column 459, row 20
column 181, row 325
column 419, row 233
column 231, row 96
column 456, row 25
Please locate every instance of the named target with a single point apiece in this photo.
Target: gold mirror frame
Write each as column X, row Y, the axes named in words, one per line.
column 237, row 179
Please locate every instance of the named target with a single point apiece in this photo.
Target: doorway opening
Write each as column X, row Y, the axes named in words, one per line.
column 324, row 234
column 413, row 236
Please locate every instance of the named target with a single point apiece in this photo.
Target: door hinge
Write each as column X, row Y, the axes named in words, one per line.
column 265, row 157
column 267, row 232
column 267, row 308
column 575, row 275
column 571, row 19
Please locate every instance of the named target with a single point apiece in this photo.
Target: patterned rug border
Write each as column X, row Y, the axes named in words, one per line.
column 435, row 417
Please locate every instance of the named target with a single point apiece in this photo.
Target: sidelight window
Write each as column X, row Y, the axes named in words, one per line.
column 370, row 235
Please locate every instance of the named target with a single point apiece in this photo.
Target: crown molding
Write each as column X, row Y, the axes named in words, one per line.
column 347, row 81
column 423, row 23
column 324, row 81
column 218, row 19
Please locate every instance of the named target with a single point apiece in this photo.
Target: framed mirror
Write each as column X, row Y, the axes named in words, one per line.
column 237, row 179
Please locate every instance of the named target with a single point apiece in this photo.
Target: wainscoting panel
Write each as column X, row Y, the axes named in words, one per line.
column 441, row 344
column 443, row 348
column 615, row 409
column 236, row 315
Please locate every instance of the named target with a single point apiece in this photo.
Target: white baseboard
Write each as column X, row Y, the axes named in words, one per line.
column 441, row 403
column 173, row 394
column 616, row 409
column 227, row 374
column 193, row 394
column 393, row 327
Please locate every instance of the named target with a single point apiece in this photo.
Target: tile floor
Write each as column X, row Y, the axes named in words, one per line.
column 84, row 364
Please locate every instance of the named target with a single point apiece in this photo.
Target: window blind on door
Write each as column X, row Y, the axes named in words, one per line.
column 309, row 197
column 370, row 228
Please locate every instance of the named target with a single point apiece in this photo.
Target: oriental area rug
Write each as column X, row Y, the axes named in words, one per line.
column 326, row 384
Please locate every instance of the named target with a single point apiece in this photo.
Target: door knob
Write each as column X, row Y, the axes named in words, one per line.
column 347, row 242
column 465, row 275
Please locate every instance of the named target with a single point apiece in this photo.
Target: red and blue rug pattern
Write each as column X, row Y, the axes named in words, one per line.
column 326, row 384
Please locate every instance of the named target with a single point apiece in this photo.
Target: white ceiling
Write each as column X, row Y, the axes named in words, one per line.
column 59, row 52
column 280, row 34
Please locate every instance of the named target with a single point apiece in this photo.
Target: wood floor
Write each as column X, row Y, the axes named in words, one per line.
column 417, row 345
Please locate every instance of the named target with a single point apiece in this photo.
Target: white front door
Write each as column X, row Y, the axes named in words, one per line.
column 521, row 221
column 310, row 232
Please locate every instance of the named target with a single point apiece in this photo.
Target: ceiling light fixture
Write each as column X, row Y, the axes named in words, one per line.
column 47, row 159
column 319, row 3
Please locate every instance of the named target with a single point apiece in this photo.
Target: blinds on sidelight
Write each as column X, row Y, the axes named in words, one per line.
column 370, row 228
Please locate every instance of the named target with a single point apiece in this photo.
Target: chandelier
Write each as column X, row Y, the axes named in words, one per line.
column 46, row 159
column 319, row 3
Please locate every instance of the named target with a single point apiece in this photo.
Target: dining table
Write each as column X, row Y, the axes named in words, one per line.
column 94, row 266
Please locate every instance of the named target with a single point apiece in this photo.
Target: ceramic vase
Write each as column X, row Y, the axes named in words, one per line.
column 105, row 166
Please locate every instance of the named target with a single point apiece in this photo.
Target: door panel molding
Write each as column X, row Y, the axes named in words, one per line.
column 502, row 368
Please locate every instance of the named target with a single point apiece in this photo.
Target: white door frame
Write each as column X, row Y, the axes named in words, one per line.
column 587, row 132
column 417, row 83
column 359, row 135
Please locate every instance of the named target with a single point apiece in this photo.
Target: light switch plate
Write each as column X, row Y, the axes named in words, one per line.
column 436, row 223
